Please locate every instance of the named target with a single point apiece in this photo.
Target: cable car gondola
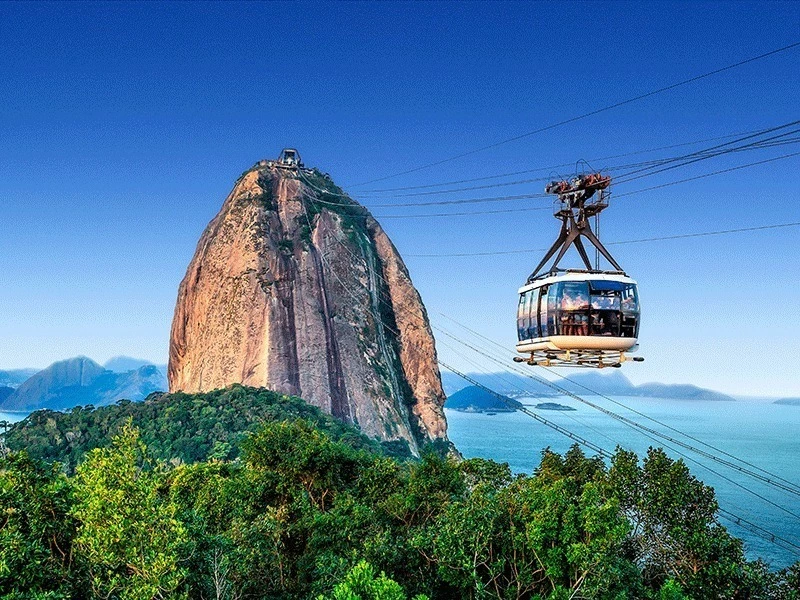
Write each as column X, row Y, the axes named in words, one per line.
column 578, row 317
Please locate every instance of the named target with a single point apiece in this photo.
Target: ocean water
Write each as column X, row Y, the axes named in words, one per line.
column 12, row 417
column 766, row 435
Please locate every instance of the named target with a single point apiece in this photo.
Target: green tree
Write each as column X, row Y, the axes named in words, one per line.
column 129, row 535
column 675, row 532
column 36, row 529
column 547, row 536
column 362, row 583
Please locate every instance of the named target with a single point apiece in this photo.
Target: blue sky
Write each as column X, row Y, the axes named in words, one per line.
column 123, row 127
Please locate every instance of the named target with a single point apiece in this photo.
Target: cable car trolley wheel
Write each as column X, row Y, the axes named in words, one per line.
column 578, row 317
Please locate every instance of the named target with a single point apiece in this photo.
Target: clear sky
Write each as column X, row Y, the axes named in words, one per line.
column 123, row 127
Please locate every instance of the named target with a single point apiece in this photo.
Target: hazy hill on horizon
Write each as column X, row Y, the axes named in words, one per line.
column 612, row 383
column 475, row 399
column 81, row 381
column 130, row 379
column 13, row 378
column 788, row 401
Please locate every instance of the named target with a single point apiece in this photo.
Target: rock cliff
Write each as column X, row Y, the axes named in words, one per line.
column 296, row 288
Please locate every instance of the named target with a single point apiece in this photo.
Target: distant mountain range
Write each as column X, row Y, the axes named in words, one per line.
column 81, row 381
column 15, row 377
column 613, row 383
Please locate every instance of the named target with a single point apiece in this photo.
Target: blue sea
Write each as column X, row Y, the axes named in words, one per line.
column 766, row 435
column 12, row 417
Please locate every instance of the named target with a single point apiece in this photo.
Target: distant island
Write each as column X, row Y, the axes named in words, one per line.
column 553, row 406
column 475, row 399
column 788, row 401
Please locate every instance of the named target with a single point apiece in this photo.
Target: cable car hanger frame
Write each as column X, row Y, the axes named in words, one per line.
column 575, row 210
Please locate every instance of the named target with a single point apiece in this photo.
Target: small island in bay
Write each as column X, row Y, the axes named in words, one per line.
column 788, row 401
column 477, row 399
column 553, row 406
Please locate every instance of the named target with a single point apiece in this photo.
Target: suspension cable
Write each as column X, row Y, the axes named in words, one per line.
column 767, row 477
column 584, row 115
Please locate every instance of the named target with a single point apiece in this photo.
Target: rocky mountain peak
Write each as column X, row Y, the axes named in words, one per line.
column 295, row 287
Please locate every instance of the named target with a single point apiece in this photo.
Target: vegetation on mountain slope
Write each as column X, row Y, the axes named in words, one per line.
column 177, row 428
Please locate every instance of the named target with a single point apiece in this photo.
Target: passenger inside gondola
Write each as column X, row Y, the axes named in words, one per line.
column 574, row 304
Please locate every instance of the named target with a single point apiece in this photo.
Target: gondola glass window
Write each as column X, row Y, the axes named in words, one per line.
column 576, row 308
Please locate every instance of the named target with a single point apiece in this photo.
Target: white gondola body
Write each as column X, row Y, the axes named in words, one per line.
column 580, row 312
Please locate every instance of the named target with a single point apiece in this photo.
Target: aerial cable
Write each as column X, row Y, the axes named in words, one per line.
column 553, row 167
column 645, row 167
column 709, row 152
column 640, row 166
column 584, row 115
column 647, row 432
column 466, row 189
column 558, row 428
column 465, row 201
column 616, row 196
column 760, row 531
column 721, row 149
column 768, row 477
column 636, row 241
column 704, row 175
column 622, row 195
column 463, row 214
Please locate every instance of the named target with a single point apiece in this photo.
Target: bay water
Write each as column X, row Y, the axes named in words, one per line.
column 764, row 434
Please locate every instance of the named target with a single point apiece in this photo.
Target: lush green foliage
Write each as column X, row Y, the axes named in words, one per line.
column 362, row 583
column 179, row 428
column 309, row 510
column 128, row 535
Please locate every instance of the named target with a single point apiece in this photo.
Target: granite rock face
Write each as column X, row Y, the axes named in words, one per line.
column 296, row 288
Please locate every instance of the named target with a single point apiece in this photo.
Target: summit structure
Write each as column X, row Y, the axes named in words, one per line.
column 295, row 287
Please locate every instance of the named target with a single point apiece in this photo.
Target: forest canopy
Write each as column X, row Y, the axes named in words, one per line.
column 305, row 507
